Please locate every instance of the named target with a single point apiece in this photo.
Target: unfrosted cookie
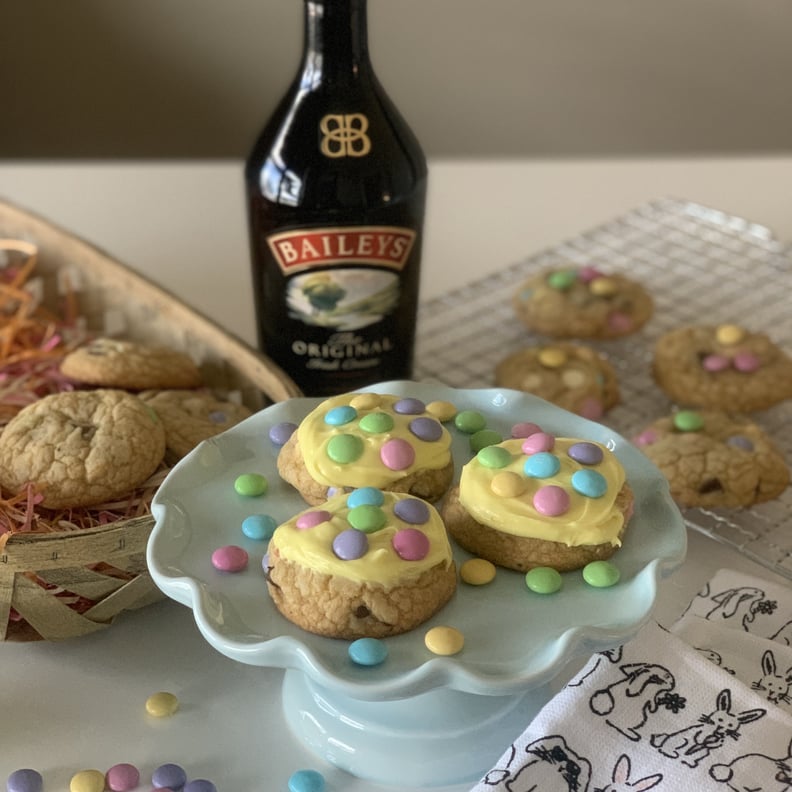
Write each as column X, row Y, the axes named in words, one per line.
column 713, row 459
column 540, row 501
column 571, row 376
column 364, row 564
column 723, row 367
column 368, row 440
column 81, row 448
column 192, row 416
column 115, row 363
column 582, row 302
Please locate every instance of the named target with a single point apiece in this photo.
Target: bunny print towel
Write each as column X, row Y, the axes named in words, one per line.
column 703, row 707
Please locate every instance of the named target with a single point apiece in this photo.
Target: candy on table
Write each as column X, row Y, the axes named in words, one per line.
column 87, row 781
column 601, row 574
column 25, row 780
column 280, row 433
column 444, row 640
column 470, row 421
column 162, row 704
column 169, row 776
column 199, row 785
column 368, row 651
column 251, row 485
column 306, row 781
column 543, row 580
column 122, row 777
column 477, row 571
column 230, row 558
column 259, row 527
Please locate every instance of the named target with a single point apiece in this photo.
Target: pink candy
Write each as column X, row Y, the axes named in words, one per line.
column 647, row 437
column 551, row 500
column 230, row 558
column 311, row 519
column 715, row 363
column 539, row 441
column 620, row 322
column 746, row 362
column 122, row 777
column 525, row 429
column 397, row 454
column 411, row 544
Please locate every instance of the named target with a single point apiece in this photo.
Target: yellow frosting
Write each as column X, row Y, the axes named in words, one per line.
column 588, row 520
column 313, row 547
column 368, row 470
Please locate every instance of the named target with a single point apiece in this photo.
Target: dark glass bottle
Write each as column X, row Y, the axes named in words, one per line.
column 336, row 187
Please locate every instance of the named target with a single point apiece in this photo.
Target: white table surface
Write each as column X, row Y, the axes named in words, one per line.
column 80, row 704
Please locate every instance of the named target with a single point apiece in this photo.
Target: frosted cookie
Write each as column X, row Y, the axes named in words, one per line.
column 81, row 448
column 572, row 376
column 363, row 564
column 368, row 440
column 582, row 302
column 114, row 363
column 192, row 416
column 723, row 367
column 713, row 459
column 540, row 501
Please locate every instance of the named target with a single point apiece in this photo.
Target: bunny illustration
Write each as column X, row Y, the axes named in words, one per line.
column 695, row 742
column 756, row 773
column 626, row 704
column 550, row 766
column 784, row 634
column 609, row 655
column 737, row 603
column 621, row 779
column 775, row 686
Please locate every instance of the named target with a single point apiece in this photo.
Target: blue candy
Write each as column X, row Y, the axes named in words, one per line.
column 589, row 483
column 306, row 781
column 543, row 464
column 25, row 780
column 259, row 526
column 368, row 651
column 365, row 496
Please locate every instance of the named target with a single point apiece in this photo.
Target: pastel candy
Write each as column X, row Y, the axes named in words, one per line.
column 311, row 519
column 524, row 429
column 412, row 510
column 200, row 785
column 367, row 518
column 444, row 640
column 397, row 454
column 552, row 501
column 251, row 485
column 122, row 777
column 484, row 438
column 600, row 574
column 339, row 416
column 409, row 406
column 542, row 465
column 280, row 433
column 230, row 558
column 368, row 651
column 543, row 580
column 494, row 457
column 350, row 544
column 411, row 544
column 470, row 421
column 344, row 448
column 715, row 363
column 746, row 362
column 427, row 429
column 259, row 527
column 170, row 776
column 586, row 453
column 589, row 483
column 477, row 571
column 25, row 780
column 539, row 441
column 87, row 781
column 162, row 704
column 365, row 495
column 376, row 423
column 306, row 781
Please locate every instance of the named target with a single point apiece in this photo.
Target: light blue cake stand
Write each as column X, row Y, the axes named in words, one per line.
column 424, row 719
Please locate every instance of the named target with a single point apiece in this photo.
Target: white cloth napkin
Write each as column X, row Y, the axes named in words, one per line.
column 703, row 707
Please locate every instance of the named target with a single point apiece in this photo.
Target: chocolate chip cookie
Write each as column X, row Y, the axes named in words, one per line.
column 81, row 448
column 725, row 367
column 582, row 302
column 714, row 459
column 572, row 376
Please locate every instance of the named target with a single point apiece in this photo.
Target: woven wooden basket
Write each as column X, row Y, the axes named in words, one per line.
column 37, row 568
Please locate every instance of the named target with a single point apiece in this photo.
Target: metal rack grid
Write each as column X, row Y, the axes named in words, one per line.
column 701, row 266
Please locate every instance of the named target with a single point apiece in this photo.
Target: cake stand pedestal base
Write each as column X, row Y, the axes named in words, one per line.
column 438, row 738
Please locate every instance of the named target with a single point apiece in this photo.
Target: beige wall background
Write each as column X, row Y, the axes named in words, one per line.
column 537, row 78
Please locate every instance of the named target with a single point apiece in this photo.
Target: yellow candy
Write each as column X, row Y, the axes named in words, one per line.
column 573, row 378
column 162, row 704
column 444, row 640
column 729, row 334
column 442, row 410
column 477, row 571
column 87, row 781
column 603, row 287
column 552, row 357
column 508, row 484
column 365, row 401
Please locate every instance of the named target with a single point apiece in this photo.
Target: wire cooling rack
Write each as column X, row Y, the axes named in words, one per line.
column 701, row 266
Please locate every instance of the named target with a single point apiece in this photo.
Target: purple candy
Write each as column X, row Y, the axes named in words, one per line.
column 412, row 511
column 409, row 407
column 25, row 780
column 586, row 453
column 280, row 433
column 200, row 785
column 740, row 441
column 426, row 429
column 350, row 544
column 169, row 776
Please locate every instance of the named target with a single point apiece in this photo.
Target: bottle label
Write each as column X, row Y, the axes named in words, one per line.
column 383, row 246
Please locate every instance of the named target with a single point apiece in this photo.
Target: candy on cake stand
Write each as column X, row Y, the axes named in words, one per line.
column 423, row 719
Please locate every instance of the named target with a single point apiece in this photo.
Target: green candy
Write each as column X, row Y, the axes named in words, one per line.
column 376, row 423
column 688, row 421
column 493, row 457
column 484, row 438
column 562, row 279
column 543, row 580
column 367, row 518
column 601, row 574
column 344, row 448
column 251, row 485
column 470, row 421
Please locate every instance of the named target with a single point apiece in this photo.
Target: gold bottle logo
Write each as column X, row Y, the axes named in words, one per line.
column 344, row 135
